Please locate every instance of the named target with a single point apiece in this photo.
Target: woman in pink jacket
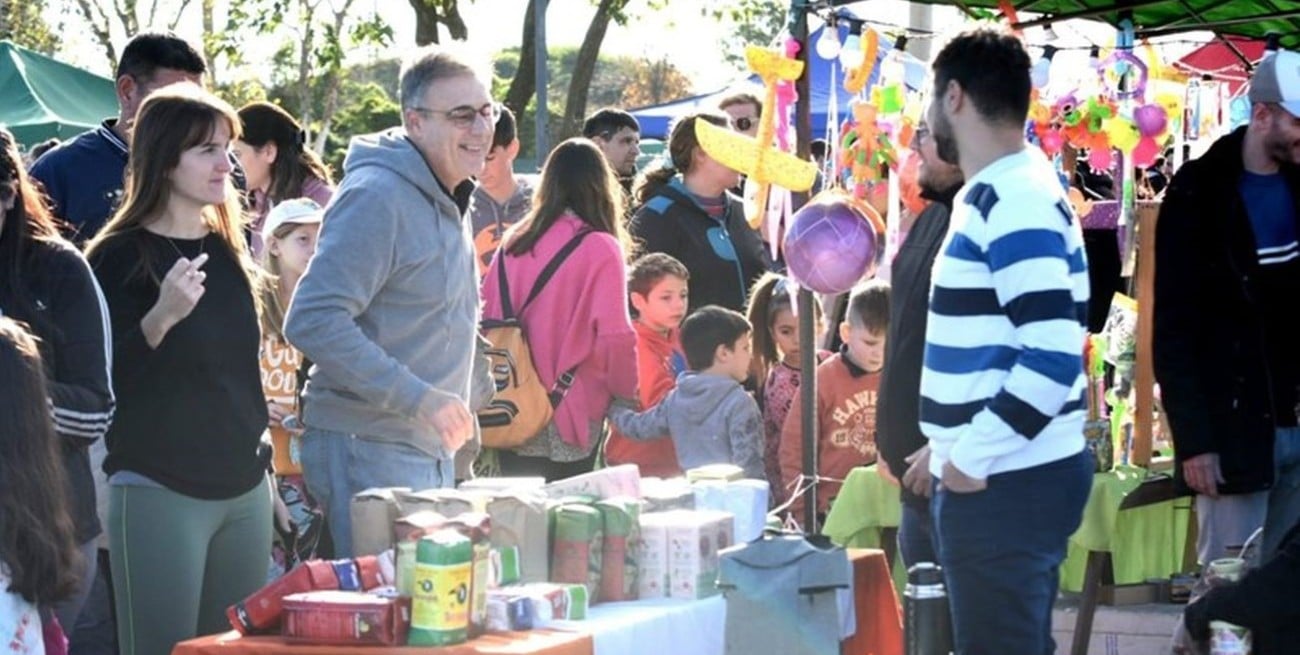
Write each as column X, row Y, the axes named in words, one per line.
column 579, row 320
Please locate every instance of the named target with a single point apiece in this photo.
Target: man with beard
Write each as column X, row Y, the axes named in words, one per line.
column 902, row 446
column 1002, row 383
column 1227, row 277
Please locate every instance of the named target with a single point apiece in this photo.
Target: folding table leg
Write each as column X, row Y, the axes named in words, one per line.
column 1092, row 578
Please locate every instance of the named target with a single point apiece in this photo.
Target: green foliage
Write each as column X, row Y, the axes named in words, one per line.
column 369, row 108
column 241, row 92
column 616, row 83
column 22, row 22
column 757, row 22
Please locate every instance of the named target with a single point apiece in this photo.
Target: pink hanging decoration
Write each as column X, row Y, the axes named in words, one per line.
column 786, row 96
column 1146, row 152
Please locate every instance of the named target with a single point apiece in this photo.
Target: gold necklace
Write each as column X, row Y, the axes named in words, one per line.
column 203, row 242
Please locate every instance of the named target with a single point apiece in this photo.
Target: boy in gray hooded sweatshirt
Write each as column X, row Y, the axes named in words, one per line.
column 709, row 415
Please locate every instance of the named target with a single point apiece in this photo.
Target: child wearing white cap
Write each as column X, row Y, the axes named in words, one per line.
column 289, row 234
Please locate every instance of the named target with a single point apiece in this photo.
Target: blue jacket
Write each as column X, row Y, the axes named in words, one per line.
column 83, row 178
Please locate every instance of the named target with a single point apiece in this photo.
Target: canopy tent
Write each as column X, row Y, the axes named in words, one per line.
column 1222, row 60
column 42, row 98
column 1249, row 18
column 656, row 119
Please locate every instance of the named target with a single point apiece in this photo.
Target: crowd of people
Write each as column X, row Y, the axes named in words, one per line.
column 208, row 346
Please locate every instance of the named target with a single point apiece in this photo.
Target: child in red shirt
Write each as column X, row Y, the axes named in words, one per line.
column 657, row 287
column 846, row 399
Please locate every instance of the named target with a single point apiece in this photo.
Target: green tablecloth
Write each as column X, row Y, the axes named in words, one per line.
column 1145, row 542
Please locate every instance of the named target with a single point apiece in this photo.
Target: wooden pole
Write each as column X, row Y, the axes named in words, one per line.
column 1144, row 378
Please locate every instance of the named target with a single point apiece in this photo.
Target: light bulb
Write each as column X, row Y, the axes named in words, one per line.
column 828, row 44
column 1041, row 72
column 851, row 52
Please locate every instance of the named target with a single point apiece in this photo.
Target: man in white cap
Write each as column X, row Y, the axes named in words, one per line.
column 1227, row 267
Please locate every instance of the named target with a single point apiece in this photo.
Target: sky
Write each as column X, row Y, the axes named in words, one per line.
column 497, row 24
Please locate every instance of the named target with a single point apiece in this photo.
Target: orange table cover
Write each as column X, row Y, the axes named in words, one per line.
column 879, row 617
column 533, row 642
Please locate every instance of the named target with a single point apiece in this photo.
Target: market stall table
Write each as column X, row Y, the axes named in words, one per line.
column 1146, row 541
column 652, row 627
column 534, row 642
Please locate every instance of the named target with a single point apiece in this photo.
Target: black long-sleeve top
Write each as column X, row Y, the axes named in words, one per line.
column 190, row 412
column 55, row 294
column 898, row 406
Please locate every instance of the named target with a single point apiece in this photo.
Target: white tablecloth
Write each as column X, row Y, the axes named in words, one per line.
column 655, row 627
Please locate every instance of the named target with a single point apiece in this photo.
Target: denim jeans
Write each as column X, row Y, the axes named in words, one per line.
column 1284, row 498
column 916, row 531
column 1001, row 549
column 337, row 466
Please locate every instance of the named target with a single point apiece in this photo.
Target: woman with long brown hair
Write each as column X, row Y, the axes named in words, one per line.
column 38, row 555
column 189, row 505
column 278, row 165
column 578, row 327
column 685, row 210
column 46, row 284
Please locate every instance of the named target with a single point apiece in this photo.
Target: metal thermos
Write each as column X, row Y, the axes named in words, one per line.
column 927, row 625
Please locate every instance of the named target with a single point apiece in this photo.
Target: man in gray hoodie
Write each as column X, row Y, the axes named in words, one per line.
column 388, row 308
column 710, row 417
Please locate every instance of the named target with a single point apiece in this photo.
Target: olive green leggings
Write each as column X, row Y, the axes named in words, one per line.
column 178, row 562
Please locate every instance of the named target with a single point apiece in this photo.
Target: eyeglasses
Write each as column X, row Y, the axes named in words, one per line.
column 464, row 115
column 743, row 123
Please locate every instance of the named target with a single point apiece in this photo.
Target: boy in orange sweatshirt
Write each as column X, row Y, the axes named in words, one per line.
column 846, row 399
column 658, row 290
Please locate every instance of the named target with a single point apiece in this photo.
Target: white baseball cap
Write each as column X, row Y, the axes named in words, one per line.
column 300, row 211
column 1277, row 80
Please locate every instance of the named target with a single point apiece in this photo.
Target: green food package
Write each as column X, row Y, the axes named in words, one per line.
column 441, row 602
column 577, row 547
column 621, row 524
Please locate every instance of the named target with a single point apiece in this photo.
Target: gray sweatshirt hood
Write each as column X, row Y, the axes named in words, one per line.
column 394, row 151
column 701, row 394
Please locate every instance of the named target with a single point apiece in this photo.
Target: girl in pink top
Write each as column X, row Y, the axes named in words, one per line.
column 579, row 321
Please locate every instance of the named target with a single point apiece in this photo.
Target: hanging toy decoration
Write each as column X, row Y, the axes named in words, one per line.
column 833, row 242
column 855, row 79
column 755, row 156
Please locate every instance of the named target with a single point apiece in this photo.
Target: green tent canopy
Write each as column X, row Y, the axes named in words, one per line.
column 42, row 98
column 1249, row 18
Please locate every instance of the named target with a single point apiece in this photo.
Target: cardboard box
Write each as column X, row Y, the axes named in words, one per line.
column 553, row 601
column 262, row 611
column 492, row 485
column 346, row 617
column 622, row 480
column 651, row 554
column 694, row 539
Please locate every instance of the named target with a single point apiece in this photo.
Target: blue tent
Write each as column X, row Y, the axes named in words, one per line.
column 656, row 119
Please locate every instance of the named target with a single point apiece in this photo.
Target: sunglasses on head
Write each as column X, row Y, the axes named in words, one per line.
column 743, row 123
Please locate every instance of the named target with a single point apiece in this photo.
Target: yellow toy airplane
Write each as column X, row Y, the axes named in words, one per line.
column 755, row 156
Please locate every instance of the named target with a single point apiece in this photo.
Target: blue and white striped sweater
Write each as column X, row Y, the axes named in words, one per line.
column 1003, row 385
